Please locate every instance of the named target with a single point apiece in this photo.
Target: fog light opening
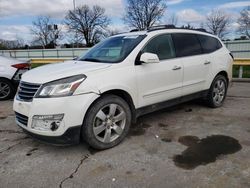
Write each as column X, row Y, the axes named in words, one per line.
column 54, row 125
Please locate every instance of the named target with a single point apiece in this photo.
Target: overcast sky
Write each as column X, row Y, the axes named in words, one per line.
column 16, row 15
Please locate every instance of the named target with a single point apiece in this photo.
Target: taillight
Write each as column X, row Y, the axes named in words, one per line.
column 21, row 66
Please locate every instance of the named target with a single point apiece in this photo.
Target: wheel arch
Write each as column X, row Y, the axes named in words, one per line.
column 125, row 96
column 223, row 73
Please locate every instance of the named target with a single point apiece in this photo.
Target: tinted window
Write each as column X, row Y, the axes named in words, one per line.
column 161, row 45
column 186, row 44
column 209, row 44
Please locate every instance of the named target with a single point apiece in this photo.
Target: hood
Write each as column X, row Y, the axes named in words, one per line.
column 48, row 73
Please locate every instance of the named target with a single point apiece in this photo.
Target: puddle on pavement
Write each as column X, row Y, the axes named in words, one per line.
column 129, row 172
column 166, row 140
column 139, row 129
column 164, row 126
column 188, row 140
column 204, row 151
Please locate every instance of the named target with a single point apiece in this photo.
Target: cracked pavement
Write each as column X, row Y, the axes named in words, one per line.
column 144, row 159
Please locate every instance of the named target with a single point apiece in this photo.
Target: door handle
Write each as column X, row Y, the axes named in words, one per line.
column 176, row 67
column 207, row 62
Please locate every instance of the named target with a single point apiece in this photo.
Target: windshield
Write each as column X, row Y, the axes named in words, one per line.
column 113, row 50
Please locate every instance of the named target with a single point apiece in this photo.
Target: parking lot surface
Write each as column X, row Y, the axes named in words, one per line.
column 189, row 145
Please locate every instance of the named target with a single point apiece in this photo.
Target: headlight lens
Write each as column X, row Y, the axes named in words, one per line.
column 60, row 88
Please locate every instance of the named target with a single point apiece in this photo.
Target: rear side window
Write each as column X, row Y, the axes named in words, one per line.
column 209, row 44
column 161, row 45
column 186, row 44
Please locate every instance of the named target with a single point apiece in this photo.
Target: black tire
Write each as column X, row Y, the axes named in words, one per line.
column 91, row 117
column 11, row 90
column 211, row 102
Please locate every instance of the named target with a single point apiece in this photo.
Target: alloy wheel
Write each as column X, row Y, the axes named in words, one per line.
column 4, row 90
column 109, row 123
column 219, row 92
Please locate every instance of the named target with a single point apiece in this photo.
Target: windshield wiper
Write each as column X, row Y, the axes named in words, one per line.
column 90, row 59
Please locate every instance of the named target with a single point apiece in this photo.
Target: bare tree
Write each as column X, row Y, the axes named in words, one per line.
column 91, row 23
column 12, row 44
column 217, row 23
column 45, row 31
column 112, row 31
column 143, row 14
column 244, row 22
column 173, row 20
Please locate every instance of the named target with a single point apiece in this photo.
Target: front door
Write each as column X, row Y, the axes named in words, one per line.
column 159, row 82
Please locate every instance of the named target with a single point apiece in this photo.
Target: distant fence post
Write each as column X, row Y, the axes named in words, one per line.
column 241, row 72
column 73, row 53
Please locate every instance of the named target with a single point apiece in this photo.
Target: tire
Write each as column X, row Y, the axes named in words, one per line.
column 7, row 90
column 217, row 92
column 109, row 115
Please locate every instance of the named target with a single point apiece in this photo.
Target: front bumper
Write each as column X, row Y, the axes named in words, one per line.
column 74, row 109
column 70, row 137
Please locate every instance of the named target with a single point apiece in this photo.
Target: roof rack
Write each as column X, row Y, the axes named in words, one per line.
column 134, row 30
column 161, row 27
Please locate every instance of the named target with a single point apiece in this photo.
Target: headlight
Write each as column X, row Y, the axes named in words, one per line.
column 60, row 88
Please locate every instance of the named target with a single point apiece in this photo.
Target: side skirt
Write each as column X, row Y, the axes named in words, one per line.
column 169, row 103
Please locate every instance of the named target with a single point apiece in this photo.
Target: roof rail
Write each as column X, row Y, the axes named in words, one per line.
column 134, row 30
column 160, row 27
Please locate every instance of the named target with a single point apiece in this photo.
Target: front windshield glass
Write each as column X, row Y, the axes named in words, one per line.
column 113, row 50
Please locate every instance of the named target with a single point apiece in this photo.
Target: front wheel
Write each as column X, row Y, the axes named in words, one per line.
column 107, row 122
column 217, row 92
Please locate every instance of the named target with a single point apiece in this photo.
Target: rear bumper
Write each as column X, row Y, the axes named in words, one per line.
column 70, row 137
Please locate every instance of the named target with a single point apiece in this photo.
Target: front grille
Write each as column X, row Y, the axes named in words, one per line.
column 21, row 119
column 26, row 91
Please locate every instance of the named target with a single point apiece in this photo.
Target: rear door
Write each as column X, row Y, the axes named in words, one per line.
column 195, row 63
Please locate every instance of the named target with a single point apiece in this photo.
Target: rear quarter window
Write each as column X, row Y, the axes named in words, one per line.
column 209, row 44
column 186, row 44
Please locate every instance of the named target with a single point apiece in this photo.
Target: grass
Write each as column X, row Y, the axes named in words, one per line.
column 246, row 69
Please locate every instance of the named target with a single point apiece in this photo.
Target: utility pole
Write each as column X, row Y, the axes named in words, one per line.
column 76, row 36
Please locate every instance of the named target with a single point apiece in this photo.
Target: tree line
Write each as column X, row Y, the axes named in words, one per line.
column 88, row 25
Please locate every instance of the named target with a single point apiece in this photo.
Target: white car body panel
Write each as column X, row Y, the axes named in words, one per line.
column 57, row 71
column 6, row 70
column 158, row 82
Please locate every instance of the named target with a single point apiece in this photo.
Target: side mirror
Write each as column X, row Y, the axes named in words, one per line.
column 149, row 58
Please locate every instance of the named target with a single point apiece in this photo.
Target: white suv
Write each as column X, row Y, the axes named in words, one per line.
column 99, row 95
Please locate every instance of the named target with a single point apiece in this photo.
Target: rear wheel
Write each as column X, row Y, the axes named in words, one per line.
column 217, row 92
column 107, row 122
column 6, row 89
